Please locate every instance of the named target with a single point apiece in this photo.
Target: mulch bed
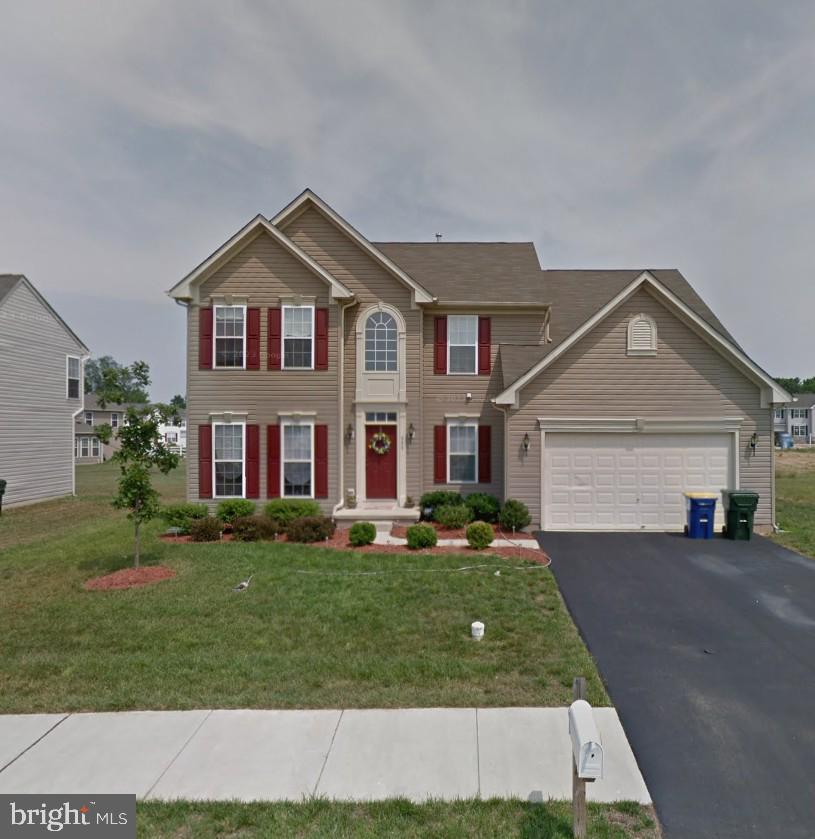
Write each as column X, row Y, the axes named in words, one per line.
column 130, row 578
column 339, row 541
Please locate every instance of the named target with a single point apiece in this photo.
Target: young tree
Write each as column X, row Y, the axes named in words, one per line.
column 141, row 446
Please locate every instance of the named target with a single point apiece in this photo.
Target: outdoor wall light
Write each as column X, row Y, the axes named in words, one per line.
column 754, row 441
column 349, row 433
column 411, row 433
column 526, row 443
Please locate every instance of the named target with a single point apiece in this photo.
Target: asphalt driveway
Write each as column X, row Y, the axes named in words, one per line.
column 708, row 652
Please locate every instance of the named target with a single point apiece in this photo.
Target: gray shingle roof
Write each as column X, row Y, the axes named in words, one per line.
column 803, row 400
column 487, row 272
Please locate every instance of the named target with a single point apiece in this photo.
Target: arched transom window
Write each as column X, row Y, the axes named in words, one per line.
column 380, row 343
column 642, row 335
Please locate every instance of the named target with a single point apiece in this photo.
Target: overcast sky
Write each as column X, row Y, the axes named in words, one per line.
column 137, row 137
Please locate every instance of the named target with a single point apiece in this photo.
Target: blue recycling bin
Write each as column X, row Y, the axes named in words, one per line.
column 701, row 509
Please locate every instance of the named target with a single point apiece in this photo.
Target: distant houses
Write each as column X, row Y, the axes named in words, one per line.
column 41, row 394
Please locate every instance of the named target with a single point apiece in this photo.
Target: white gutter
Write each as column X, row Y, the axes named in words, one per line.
column 341, row 406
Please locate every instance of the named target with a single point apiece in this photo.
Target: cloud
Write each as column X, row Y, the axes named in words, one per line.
column 138, row 137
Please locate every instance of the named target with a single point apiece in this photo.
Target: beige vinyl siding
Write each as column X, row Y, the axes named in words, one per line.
column 263, row 272
column 371, row 283
column 687, row 378
column 36, row 417
column 444, row 395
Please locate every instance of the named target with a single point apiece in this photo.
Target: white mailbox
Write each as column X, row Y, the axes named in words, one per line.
column 587, row 748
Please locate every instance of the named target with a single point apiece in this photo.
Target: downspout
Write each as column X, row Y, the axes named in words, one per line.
column 81, row 409
column 341, row 406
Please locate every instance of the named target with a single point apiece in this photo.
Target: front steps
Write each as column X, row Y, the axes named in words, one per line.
column 382, row 514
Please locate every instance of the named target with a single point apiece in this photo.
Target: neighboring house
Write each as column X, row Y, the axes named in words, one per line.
column 797, row 418
column 88, row 448
column 41, row 388
column 322, row 365
column 175, row 434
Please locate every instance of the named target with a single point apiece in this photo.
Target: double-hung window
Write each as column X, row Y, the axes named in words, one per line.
column 88, row 447
column 114, row 420
column 780, row 413
column 74, row 373
column 88, row 417
column 230, row 336
column 800, row 431
column 228, row 456
column 462, row 344
column 297, row 461
column 298, row 337
column 462, row 452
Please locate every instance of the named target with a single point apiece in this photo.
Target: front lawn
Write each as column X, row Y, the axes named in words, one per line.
column 317, row 628
column 795, row 499
column 395, row 819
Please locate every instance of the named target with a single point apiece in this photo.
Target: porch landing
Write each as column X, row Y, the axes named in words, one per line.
column 377, row 511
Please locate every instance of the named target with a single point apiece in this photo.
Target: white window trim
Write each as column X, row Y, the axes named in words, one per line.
column 283, row 338
column 215, row 336
column 642, row 351
column 283, row 425
column 68, row 376
column 243, row 460
column 118, row 421
column 475, row 346
column 89, row 414
column 459, row 424
column 365, row 333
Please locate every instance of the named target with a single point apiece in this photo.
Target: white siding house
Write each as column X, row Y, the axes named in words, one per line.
column 41, row 394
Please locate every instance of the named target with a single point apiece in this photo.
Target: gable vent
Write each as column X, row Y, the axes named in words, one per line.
column 642, row 336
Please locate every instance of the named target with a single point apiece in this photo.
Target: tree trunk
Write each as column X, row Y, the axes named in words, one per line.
column 138, row 544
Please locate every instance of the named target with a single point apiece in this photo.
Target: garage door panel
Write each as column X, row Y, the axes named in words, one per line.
column 629, row 481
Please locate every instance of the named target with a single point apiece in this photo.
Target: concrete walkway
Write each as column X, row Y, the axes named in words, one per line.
column 417, row 753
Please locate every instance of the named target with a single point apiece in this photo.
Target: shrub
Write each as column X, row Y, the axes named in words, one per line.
column 206, row 530
column 485, row 507
column 421, row 536
column 438, row 498
column 252, row 528
column 235, row 508
column 514, row 515
column 479, row 535
column 182, row 515
column 285, row 510
column 453, row 515
column 311, row 529
column 362, row 533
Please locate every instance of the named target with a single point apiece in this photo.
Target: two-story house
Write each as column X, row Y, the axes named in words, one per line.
column 88, row 448
column 41, row 394
column 323, row 365
column 797, row 418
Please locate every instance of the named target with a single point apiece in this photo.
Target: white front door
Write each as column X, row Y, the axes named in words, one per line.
column 630, row 481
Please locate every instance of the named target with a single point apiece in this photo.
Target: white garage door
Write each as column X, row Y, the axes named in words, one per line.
column 630, row 481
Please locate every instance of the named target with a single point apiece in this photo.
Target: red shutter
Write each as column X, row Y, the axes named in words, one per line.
column 253, row 461
column 205, row 339
column 275, row 355
column 484, row 454
column 321, row 343
column 273, row 461
column 321, row 461
column 484, row 329
column 440, row 349
column 440, row 454
column 253, row 339
column 205, row 460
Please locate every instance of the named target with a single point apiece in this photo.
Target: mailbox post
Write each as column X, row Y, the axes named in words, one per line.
column 587, row 755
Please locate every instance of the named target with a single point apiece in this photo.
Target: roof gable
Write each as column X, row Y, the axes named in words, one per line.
column 9, row 282
column 185, row 289
column 772, row 392
column 308, row 198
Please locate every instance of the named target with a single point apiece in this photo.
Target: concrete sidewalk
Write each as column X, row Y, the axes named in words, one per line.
column 250, row 755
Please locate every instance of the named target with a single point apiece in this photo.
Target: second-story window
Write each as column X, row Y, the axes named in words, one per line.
column 380, row 343
column 462, row 344
column 298, row 337
column 88, row 417
column 73, row 375
column 114, row 420
column 230, row 336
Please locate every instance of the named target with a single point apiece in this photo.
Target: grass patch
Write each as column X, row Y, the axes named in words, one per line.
column 306, row 634
column 795, row 499
column 394, row 819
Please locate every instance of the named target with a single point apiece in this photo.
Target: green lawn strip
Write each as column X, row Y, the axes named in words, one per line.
column 394, row 819
column 310, row 640
column 795, row 510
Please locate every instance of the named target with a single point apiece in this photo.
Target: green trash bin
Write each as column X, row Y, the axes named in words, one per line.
column 739, row 511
